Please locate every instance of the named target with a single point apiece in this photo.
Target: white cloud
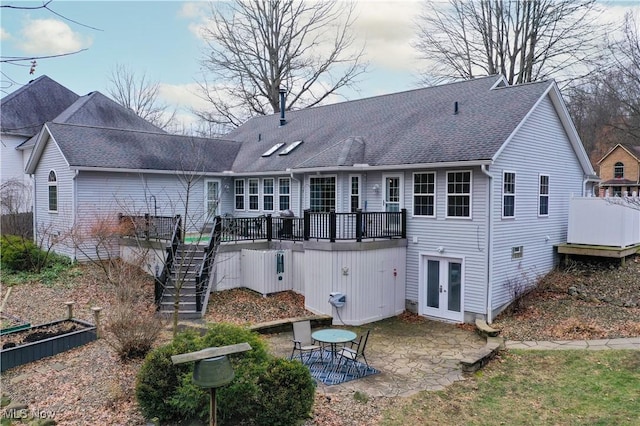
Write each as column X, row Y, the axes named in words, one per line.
column 193, row 10
column 388, row 28
column 51, row 37
column 4, row 35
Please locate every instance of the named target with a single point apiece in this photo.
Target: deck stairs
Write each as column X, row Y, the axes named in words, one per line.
column 184, row 270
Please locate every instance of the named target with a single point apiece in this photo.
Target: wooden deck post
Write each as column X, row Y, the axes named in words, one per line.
column 69, row 309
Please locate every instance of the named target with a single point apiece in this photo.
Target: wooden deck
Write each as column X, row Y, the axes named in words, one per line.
column 599, row 251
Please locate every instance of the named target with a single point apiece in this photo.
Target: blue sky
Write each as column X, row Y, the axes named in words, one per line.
column 160, row 38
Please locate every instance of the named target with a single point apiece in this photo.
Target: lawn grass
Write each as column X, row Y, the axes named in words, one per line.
column 536, row 388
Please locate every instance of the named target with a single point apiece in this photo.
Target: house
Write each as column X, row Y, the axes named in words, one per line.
column 22, row 114
column 620, row 171
column 476, row 174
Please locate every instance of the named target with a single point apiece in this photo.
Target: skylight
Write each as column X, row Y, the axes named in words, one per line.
column 290, row 148
column 273, row 149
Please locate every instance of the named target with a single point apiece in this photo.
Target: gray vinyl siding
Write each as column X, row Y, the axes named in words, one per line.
column 54, row 224
column 460, row 237
column 139, row 194
column 539, row 147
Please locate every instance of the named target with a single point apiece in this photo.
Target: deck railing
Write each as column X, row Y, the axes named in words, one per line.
column 147, row 226
column 317, row 226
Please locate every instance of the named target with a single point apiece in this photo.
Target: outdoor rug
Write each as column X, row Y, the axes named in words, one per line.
column 325, row 371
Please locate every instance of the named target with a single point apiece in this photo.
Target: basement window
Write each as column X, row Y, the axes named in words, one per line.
column 517, row 252
column 290, row 148
column 273, row 149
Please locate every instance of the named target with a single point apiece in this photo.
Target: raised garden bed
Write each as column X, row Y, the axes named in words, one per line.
column 24, row 346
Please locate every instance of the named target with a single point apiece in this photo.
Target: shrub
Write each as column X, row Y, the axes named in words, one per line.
column 19, row 254
column 134, row 328
column 23, row 255
column 286, row 391
column 265, row 390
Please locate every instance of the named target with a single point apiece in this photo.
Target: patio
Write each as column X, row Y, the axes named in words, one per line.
column 411, row 356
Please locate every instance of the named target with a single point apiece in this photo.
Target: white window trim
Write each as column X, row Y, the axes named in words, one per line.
column 548, row 194
column 250, row 194
column 504, row 194
column 272, row 194
column 435, row 192
column 359, row 194
column 244, row 195
column 470, row 217
column 49, row 185
column 278, row 194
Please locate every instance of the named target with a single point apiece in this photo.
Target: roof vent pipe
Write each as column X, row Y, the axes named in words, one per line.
column 455, row 107
column 282, row 99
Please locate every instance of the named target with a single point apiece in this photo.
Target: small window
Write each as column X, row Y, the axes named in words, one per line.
column 517, row 252
column 53, row 191
column 618, row 170
column 267, row 194
column 424, row 194
column 509, row 194
column 459, row 194
column 273, row 149
column 543, row 196
column 290, row 148
column 239, row 194
column 254, row 194
column 284, row 191
column 355, row 193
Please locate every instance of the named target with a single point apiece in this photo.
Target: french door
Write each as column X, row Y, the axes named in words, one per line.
column 211, row 198
column 442, row 288
column 392, row 201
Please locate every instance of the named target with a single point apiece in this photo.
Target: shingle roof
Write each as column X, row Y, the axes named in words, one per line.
column 24, row 111
column 95, row 109
column 412, row 127
column 633, row 149
column 104, row 148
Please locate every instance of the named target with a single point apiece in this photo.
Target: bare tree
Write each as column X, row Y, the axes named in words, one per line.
column 524, row 40
column 255, row 48
column 140, row 95
column 624, row 81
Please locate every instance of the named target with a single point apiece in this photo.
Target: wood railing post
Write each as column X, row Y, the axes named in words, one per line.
column 403, row 224
column 359, row 225
column 96, row 316
column 69, row 309
column 269, row 225
column 307, row 224
column 332, row 226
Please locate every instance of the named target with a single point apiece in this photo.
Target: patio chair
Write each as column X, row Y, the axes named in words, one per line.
column 356, row 352
column 302, row 341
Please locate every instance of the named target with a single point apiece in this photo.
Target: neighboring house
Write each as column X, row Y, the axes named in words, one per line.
column 22, row 114
column 620, row 171
column 483, row 170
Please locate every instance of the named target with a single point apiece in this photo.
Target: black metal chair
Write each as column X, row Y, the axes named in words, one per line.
column 354, row 353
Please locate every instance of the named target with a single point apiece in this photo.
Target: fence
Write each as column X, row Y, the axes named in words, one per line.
column 17, row 224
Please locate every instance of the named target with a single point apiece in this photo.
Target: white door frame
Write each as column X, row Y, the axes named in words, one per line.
column 441, row 312
column 206, row 198
column 385, row 181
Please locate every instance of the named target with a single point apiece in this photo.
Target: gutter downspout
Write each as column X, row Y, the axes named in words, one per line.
column 300, row 191
column 34, row 206
column 484, row 170
column 74, row 203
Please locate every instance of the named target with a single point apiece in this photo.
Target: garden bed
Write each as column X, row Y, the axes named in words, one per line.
column 24, row 346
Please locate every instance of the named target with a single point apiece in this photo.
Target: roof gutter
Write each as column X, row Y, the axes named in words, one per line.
column 485, row 170
column 366, row 167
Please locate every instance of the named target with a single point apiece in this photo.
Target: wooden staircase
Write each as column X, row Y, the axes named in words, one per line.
column 187, row 261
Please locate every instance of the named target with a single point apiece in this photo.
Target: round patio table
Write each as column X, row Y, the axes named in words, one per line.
column 333, row 336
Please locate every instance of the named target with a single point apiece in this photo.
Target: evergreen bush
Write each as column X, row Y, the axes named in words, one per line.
column 265, row 390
